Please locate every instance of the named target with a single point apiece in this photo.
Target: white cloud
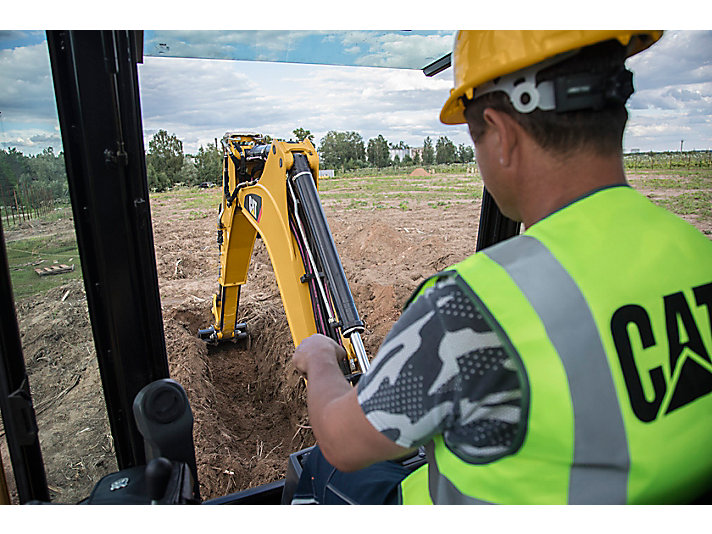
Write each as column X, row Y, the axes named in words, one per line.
column 226, row 44
column 393, row 50
column 679, row 58
column 28, row 113
column 25, row 91
column 195, row 99
column 199, row 100
column 673, row 98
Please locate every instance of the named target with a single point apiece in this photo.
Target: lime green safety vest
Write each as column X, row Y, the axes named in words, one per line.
column 607, row 304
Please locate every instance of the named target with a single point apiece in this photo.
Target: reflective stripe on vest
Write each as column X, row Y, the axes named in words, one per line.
column 618, row 405
column 593, row 396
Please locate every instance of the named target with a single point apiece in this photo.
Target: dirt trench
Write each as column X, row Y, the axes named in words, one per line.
column 248, row 402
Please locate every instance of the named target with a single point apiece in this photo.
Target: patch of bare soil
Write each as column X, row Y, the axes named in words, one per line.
column 64, row 379
column 248, row 402
column 38, row 227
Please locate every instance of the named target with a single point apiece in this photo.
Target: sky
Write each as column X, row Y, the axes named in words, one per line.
column 199, row 100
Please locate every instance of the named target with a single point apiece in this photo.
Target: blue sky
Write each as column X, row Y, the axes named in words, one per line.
column 381, row 48
column 199, row 100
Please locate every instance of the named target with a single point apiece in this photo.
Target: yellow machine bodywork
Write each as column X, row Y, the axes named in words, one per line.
column 260, row 208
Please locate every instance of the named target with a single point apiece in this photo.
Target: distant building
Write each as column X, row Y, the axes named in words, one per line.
column 326, row 173
column 403, row 152
column 416, row 150
column 400, row 152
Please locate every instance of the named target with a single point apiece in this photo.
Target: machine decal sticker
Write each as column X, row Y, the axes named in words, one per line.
column 253, row 203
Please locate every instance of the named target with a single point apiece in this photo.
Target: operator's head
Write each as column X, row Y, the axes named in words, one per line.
column 566, row 89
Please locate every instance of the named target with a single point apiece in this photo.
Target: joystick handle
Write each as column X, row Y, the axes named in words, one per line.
column 158, row 473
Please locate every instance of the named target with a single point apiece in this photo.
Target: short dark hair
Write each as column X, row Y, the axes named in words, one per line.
column 564, row 133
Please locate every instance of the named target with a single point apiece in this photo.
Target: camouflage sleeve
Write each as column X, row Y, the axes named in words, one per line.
column 443, row 370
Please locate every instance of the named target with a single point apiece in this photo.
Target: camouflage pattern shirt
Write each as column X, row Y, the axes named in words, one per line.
column 443, row 370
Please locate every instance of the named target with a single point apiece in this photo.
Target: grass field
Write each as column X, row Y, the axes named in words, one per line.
column 683, row 191
column 25, row 255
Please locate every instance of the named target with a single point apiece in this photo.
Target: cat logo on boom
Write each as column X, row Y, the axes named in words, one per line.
column 690, row 369
column 253, row 203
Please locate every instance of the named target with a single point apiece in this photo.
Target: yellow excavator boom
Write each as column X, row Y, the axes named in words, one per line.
column 271, row 191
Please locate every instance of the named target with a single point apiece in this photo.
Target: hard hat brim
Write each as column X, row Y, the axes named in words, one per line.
column 536, row 48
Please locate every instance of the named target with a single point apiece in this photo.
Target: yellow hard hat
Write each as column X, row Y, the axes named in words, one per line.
column 483, row 55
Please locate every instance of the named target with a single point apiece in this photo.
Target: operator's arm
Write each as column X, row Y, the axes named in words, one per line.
column 346, row 438
column 441, row 369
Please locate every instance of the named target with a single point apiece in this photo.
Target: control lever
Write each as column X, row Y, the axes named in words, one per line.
column 158, row 473
column 163, row 416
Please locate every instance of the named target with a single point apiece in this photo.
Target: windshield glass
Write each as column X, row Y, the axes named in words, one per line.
column 404, row 49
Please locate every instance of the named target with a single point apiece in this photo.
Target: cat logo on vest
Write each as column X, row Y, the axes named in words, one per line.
column 690, row 366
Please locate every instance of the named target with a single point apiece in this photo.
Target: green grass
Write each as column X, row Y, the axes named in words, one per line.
column 357, row 204
column 440, row 204
column 24, row 257
column 188, row 198
column 401, row 187
column 194, row 215
column 689, row 193
column 688, row 203
column 678, row 180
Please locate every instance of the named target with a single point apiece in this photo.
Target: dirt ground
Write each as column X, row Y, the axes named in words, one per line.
column 247, row 400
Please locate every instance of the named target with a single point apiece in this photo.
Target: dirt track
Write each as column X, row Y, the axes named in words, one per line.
column 248, row 402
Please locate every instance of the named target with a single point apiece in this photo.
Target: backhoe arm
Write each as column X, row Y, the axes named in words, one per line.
column 271, row 191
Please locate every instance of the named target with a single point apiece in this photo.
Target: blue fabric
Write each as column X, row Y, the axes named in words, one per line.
column 321, row 483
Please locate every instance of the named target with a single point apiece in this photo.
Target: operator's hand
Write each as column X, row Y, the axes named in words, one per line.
column 346, row 438
column 315, row 351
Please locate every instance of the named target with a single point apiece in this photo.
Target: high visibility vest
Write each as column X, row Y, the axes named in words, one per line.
column 607, row 306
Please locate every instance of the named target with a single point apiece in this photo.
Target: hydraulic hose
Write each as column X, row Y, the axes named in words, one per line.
column 324, row 246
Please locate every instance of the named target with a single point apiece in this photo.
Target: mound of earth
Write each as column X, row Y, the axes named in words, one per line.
column 419, row 172
column 249, row 403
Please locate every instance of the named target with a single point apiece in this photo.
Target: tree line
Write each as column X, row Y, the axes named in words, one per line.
column 348, row 151
column 167, row 165
column 45, row 171
column 44, row 175
column 29, row 185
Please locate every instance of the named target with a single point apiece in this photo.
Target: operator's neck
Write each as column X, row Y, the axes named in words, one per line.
column 555, row 183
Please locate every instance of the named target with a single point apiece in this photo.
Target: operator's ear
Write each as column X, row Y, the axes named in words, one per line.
column 507, row 133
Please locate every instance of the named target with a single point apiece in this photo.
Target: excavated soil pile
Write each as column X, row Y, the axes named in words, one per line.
column 248, row 402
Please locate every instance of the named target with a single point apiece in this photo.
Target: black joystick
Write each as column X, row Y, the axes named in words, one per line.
column 163, row 416
column 158, row 473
